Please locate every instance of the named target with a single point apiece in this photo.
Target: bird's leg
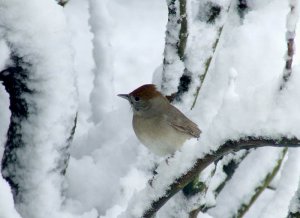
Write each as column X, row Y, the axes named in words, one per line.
column 154, row 173
column 167, row 159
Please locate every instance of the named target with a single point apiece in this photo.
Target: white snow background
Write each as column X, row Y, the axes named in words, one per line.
column 239, row 97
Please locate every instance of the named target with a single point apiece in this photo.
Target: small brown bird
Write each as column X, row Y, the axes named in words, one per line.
column 160, row 126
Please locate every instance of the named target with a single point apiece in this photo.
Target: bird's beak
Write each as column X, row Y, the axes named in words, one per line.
column 126, row 96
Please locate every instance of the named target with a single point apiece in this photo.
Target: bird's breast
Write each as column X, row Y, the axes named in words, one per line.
column 157, row 135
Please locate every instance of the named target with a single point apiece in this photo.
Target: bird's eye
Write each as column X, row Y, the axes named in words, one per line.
column 136, row 98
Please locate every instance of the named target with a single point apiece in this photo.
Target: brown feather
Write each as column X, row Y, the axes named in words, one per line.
column 181, row 123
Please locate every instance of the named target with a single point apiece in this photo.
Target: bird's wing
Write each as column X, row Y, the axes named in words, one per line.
column 181, row 123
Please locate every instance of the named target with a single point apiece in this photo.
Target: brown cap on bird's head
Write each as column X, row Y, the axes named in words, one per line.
column 146, row 92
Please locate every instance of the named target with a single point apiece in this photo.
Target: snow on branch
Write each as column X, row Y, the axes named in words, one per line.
column 101, row 97
column 152, row 200
column 175, row 44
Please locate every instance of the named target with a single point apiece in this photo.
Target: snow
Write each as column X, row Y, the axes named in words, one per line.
column 7, row 208
column 255, row 87
column 137, row 41
column 5, row 113
column 116, row 47
column 81, row 42
column 203, row 38
column 102, row 94
column 250, row 173
column 286, row 187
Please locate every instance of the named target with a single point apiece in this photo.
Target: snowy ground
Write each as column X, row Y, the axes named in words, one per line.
column 108, row 165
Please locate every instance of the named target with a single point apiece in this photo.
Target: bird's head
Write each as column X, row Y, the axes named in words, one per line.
column 145, row 98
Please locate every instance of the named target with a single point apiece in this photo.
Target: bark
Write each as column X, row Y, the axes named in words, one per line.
column 14, row 80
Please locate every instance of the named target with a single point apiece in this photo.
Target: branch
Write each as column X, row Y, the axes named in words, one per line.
column 208, row 61
column 175, row 48
column 227, row 166
column 202, row 163
column 183, row 33
column 211, row 18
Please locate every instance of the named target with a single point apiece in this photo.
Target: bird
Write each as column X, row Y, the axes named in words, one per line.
column 159, row 125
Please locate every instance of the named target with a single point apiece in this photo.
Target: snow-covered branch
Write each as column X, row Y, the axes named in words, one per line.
column 40, row 82
column 175, row 44
column 187, row 57
column 291, row 23
column 212, row 17
column 101, row 97
column 183, row 33
column 157, row 201
column 262, row 183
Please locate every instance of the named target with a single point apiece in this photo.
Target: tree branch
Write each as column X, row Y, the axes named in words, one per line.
column 263, row 184
column 183, row 33
column 202, row 163
column 215, row 12
column 62, row 2
column 292, row 18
